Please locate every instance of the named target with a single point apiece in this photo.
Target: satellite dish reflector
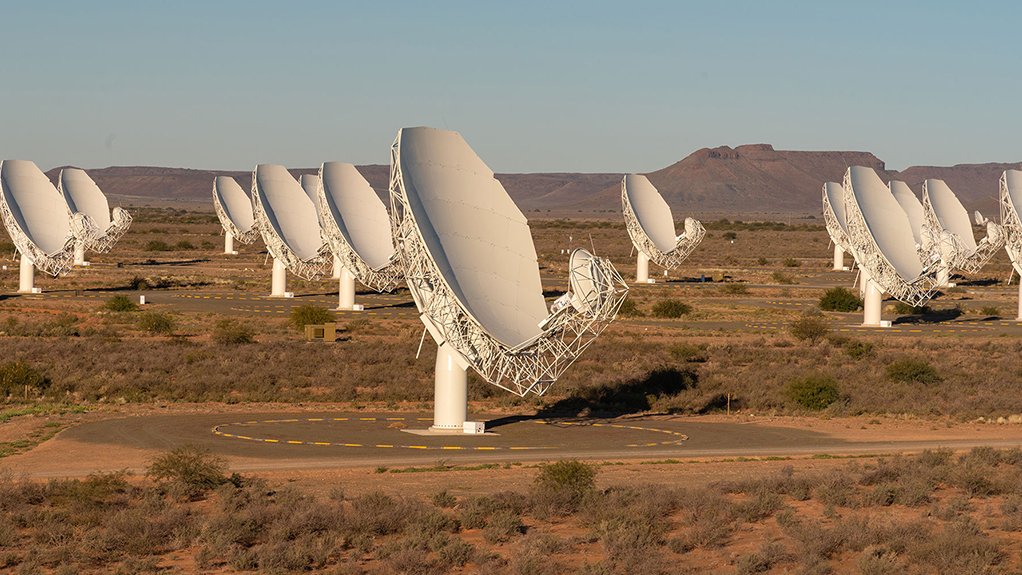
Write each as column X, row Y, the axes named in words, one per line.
column 912, row 207
column 948, row 219
column 885, row 247
column 834, row 218
column 310, row 183
column 1011, row 201
column 38, row 221
column 81, row 194
column 471, row 267
column 356, row 225
column 287, row 220
column 979, row 218
column 650, row 224
column 234, row 209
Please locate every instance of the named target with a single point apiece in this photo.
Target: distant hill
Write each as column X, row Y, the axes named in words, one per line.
column 749, row 179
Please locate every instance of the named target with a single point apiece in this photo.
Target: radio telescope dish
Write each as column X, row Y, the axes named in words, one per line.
column 235, row 212
column 1011, row 201
column 834, row 217
column 310, row 184
column 650, row 224
column 357, row 227
column 38, row 221
column 287, row 220
column 913, row 208
column 82, row 195
column 471, row 267
column 883, row 245
column 944, row 213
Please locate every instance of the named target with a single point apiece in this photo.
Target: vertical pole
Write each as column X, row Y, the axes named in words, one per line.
column 229, row 244
column 839, row 258
column 871, row 306
column 642, row 268
column 450, row 392
column 337, row 268
column 278, row 283
column 346, row 293
column 26, row 281
column 80, row 254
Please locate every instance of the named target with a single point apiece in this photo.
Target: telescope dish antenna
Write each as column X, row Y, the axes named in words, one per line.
column 287, row 220
column 1011, row 201
column 834, row 217
column 650, row 224
column 235, row 212
column 357, row 227
column 883, row 245
column 82, row 195
column 39, row 223
column 948, row 219
column 471, row 267
column 310, row 184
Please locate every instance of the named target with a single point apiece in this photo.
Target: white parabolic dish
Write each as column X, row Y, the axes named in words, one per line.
column 1011, row 218
column 471, row 267
column 82, row 195
column 947, row 218
column 951, row 214
column 834, row 201
column 287, row 220
column 310, row 183
column 234, row 209
column 912, row 207
column 357, row 226
column 650, row 223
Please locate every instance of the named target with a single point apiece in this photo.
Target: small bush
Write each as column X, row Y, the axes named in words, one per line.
column 184, row 245
column 809, row 328
column 120, row 303
column 734, row 289
column 814, row 391
column 671, row 308
column 16, row 376
column 791, row 263
column 230, row 332
column 840, row 299
column 304, row 315
column 630, row 309
column 730, row 236
column 156, row 322
column 912, row 370
column 990, row 311
column 858, row 349
column 689, row 353
column 902, row 308
column 782, row 278
column 157, row 246
column 138, row 283
column 195, row 468
column 563, row 484
column 503, row 526
column 762, row 261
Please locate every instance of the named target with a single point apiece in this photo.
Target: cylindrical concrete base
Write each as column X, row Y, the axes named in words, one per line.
column 337, row 268
column 839, row 258
column 872, row 304
column 346, row 293
column 450, row 392
column 80, row 254
column 642, row 268
column 26, row 280
column 278, row 283
column 229, row 244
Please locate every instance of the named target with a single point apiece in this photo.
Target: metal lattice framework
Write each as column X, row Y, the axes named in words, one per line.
column 384, row 279
column 958, row 256
column 687, row 242
column 310, row 269
column 119, row 225
column 83, row 229
column 837, row 233
column 869, row 257
column 1011, row 225
column 531, row 367
column 228, row 225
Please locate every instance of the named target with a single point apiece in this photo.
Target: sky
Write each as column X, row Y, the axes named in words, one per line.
column 532, row 86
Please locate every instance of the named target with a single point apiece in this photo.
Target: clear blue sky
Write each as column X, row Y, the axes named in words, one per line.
column 533, row 86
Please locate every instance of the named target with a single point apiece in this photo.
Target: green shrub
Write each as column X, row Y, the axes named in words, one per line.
column 229, row 331
column 16, row 376
column 858, row 349
column 762, row 261
column 792, row 263
column 902, row 308
column 184, row 245
column 730, row 236
column 814, row 391
column 138, row 283
column 567, row 477
column 192, row 467
column 120, row 303
column 809, row 328
column 304, row 315
column 156, row 322
column 157, row 246
column 912, row 370
column 630, row 309
column 840, row 299
column 689, row 353
column 990, row 311
column 734, row 289
column 671, row 308
column 782, row 278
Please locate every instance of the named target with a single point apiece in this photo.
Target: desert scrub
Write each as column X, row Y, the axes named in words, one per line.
column 813, row 391
column 857, row 349
column 230, row 332
column 689, row 353
column 791, row 263
column 630, row 309
column 810, row 328
column 156, row 322
column 120, row 303
column 560, row 487
column 734, row 289
column 671, row 308
column 912, row 370
column 157, row 246
column 194, row 468
column 902, row 308
column 782, row 278
column 17, row 377
column 304, row 315
column 840, row 299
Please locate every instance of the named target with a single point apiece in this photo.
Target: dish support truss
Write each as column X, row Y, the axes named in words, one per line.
column 872, row 261
column 531, row 367
column 837, row 233
column 384, row 279
column 956, row 255
column 228, row 225
column 83, row 229
column 1012, row 227
column 120, row 223
column 311, row 269
column 687, row 242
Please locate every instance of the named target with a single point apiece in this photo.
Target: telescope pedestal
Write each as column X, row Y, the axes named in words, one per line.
column 642, row 268
column 346, row 293
column 80, row 254
column 229, row 244
column 26, row 279
column 337, row 268
column 278, row 282
column 872, row 303
column 839, row 258
column 450, row 392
